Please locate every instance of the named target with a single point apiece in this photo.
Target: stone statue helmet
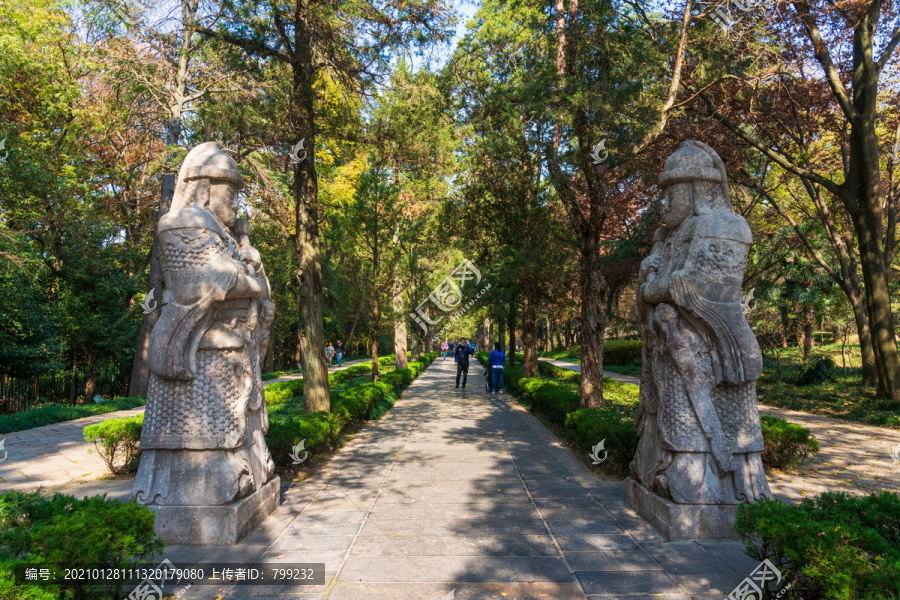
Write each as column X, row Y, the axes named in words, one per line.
column 209, row 180
column 694, row 182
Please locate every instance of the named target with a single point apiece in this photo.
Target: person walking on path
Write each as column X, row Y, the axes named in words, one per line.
column 495, row 361
column 329, row 353
column 461, row 355
column 339, row 351
column 444, row 347
column 452, row 347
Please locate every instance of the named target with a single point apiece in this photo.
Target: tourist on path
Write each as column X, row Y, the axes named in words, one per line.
column 329, row 353
column 453, row 350
column 339, row 351
column 444, row 347
column 461, row 356
column 495, row 360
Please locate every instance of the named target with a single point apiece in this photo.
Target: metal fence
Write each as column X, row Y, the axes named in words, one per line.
column 18, row 395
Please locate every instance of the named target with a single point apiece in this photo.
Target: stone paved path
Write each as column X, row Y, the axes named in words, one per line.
column 852, row 457
column 465, row 495
column 58, row 458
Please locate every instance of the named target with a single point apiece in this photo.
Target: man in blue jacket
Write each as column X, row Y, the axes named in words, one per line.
column 461, row 355
column 495, row 361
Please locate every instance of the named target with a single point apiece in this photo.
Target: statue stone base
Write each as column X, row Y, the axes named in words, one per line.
column 217, row 525
column 677, row 522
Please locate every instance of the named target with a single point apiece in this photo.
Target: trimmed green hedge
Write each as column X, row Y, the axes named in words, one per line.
column 550, row 370
column 277, row 374
column 55, row 413
column 278, row 393
column 787, row 444
column 621, row 352
column 60, row 532
column 588, row 426
column 833, row 547
column 321, row 430
column 118, row 441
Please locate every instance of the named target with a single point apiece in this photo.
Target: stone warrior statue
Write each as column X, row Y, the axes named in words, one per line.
column 203, row 436
column 700, row 436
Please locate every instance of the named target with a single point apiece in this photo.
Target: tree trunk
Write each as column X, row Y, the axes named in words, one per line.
column 548, row 343
column 270, row 351
column 807, row 331
column 869, row 369
column 352, row 328
column 90, row 387
column 592, row 326
column 529, row 332
column 399, row 327
column 511, row 325
column 306, row 220
column 501, row 334
column 376, row 323
column 140, row 370
column 74, row 377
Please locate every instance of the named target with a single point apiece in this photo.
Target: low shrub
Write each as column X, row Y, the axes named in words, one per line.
column 589, row 426
column 817, row 369
column 118, row 442
column 360, row 369
column 277, row 374
column 319, row 429
column 550, row 370
column 831, row 547
column 787, row 444
column 60, row 532
column 621, row 352
column 48, row 414
column 280, row 392
column 615, row 352
column 551, row 397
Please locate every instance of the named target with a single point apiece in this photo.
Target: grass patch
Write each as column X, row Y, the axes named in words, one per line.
column 845, row 398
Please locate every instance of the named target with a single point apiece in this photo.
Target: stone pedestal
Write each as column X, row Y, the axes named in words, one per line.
column 217, row 525
column 678, row 522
